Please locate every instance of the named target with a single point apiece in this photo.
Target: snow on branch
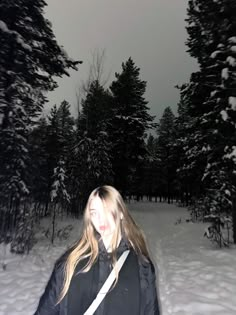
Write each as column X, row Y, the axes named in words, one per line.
column 231, row 61
column 233, row 48
column 225, row 74
column 232, row 102
column 4, row 28
column 232, row 40
column 232, row 154
column 224, row 115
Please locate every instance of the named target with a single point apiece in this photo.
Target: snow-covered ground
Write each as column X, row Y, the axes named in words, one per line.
column 195, row 278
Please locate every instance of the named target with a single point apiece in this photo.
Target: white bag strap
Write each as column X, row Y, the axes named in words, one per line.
column 106, row 286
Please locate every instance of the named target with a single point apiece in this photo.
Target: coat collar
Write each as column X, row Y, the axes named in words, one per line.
column 123, row 245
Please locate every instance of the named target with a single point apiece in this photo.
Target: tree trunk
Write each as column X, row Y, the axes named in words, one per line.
column 53, row 223
column 234, row 217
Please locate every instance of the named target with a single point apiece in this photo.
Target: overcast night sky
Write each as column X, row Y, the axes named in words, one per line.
column 151, row 32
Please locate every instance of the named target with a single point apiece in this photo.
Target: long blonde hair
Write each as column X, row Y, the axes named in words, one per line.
column 87, row 247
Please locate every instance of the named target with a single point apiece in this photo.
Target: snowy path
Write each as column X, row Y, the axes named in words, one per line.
column 194, row 277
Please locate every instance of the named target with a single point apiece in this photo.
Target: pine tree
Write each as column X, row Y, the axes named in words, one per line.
column 165, row 146
column 58, row 194
column 57, row 145
column 65, row 129
column 23, row 238
column 96, row 110
column 90, row 166
column 211, row 40
column 129, row 123
column 58, row 191
column 189, row 145
column 29, row 58
column 39, row 172
column 148, row 178
column 60, row 135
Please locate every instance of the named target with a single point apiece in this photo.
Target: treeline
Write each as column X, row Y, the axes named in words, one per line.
column 104, row 145
column 62, row 158
column 51, row 164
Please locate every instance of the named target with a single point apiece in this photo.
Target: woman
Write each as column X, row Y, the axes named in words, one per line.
column 108, row 231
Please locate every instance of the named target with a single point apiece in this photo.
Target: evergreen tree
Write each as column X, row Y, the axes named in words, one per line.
column 22, row 239
column 96, row 110
column 129, row 123
column 148, row 180
column 189, row 145
column 29, row 58
column 90, row 162
column 90, row 166
column 166, row 154
column 39, row 174
column 58, row 191
column 58, row 194
column 212, row 40
column 65, row 129
column 50, row 141
column 59, row 142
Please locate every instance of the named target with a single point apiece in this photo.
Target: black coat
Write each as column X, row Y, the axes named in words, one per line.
column 134, row 294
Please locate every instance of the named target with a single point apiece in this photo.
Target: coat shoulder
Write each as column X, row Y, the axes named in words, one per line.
column 147, row 269
column 149, row 305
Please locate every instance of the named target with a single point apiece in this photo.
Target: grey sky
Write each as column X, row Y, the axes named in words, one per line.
column 152, row 32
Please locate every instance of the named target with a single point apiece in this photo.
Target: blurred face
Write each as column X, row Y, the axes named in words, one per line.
column 102, row 219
